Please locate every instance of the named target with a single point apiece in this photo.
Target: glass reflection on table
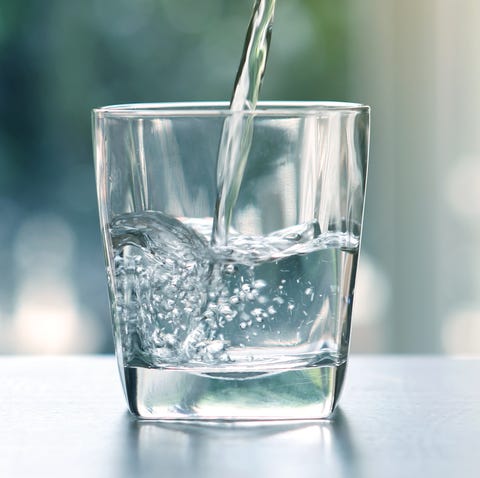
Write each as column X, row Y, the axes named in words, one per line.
column 209, row 449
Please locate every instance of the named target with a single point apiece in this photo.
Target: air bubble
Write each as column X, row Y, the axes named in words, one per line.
column 209, row 314
column 259, row 284
column 225, row 309
column 170, row 340
column 216, row 346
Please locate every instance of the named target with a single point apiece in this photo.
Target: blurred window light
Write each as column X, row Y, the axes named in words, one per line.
column 46, row 316
column 463, row 182
column 372, row 291
column 461, row 331
column 371, row 303
column 44, row 244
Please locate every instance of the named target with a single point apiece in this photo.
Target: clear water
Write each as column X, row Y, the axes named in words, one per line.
column 254, row 329
column 260, row 303
column 185, row 394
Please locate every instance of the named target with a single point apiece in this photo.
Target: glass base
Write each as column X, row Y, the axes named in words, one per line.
column 173, row 394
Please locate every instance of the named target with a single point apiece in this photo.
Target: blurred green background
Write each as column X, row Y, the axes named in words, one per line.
column 415, row 63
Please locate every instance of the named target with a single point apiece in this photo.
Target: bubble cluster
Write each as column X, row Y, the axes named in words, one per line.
column 158, row 289
column 178, row 301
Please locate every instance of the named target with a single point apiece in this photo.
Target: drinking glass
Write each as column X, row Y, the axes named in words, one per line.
column 253, row 324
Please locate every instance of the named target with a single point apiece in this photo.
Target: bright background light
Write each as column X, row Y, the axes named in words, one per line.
column 416, row 63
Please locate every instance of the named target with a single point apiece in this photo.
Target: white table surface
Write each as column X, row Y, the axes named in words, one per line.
column 399, row 416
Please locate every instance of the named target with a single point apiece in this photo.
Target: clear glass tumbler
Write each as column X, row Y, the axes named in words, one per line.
column 254, row 325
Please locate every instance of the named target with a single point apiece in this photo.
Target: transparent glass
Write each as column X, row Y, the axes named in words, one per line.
column 253, row 326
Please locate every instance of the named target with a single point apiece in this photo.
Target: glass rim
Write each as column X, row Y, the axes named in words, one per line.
column 221, row 108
